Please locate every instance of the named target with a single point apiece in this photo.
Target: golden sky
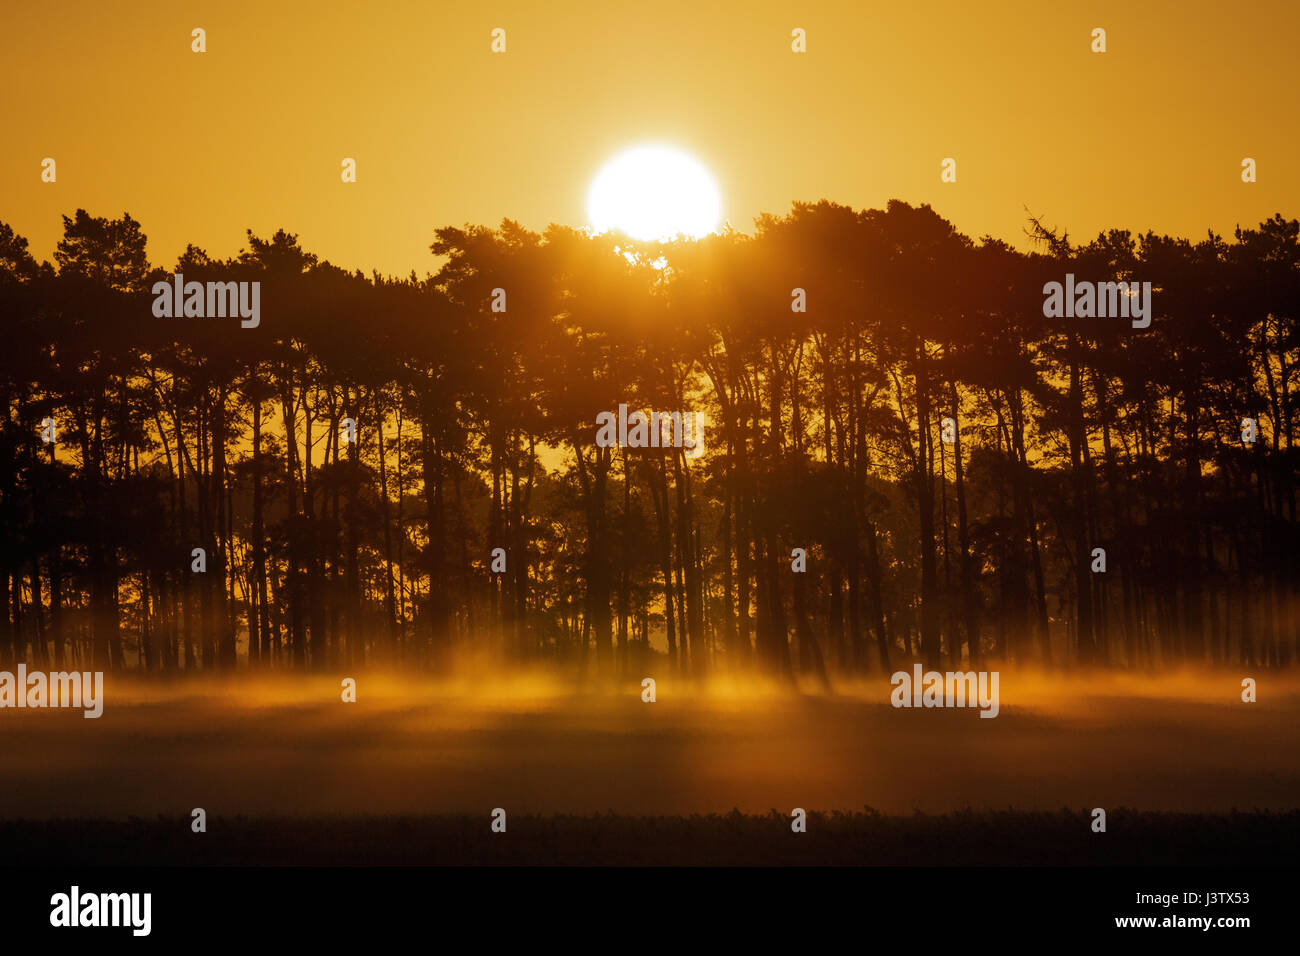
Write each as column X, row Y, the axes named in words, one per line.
column 250, row 134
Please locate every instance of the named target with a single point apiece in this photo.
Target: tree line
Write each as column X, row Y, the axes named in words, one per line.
column 968, row 479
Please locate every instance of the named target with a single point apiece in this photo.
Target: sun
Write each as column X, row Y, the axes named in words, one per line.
column 654, row 192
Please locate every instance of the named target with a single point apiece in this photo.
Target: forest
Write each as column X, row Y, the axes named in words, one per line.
column 965, row 478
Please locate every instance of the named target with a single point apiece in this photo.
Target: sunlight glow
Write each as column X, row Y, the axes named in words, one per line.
column 654, row 192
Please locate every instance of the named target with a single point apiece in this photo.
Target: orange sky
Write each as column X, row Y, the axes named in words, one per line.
column 250, row 134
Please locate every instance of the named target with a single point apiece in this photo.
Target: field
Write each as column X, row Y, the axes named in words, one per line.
column 411, row 772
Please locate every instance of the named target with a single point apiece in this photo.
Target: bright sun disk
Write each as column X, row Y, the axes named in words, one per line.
column 654, row 192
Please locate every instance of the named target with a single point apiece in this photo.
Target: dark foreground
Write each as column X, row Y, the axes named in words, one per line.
column 1062, row 838
column 270, row 747
column 736, row 880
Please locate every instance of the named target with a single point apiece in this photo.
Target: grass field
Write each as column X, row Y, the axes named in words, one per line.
column 1006, row 838
column 410, row 773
